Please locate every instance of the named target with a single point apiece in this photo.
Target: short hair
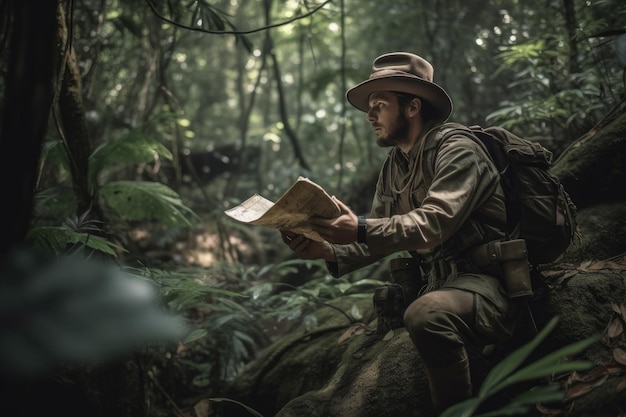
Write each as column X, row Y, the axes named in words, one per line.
column 428, row 111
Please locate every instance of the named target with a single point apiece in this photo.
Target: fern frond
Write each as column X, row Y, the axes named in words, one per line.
column 59, row 239
column 134, row 148
column 147, row 201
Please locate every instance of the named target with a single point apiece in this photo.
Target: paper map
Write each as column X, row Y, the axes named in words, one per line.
column 303, row 200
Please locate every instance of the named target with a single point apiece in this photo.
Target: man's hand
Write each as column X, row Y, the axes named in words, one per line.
column 308, row 249
column 341, row 230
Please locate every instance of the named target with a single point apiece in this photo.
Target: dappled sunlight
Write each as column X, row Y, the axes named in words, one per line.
column 201, row 247
column 205, row 249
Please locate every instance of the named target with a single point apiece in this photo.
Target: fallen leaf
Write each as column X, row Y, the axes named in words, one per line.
column 202, row 408
column 355, row 329
column 389, row 335
column 621, row 386
column 596, row 266
column 567, row 276
column 613, row 369
column 574, row 377
column 619, row 355
column 598, row 372
column 579, row 390
column 616, row 308
column 599, row 265
column 616, row 266
column 615, row 328
column 549, row 411
column 552, row 274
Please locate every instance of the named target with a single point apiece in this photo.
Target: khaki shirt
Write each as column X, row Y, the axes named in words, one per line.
column 462, row 207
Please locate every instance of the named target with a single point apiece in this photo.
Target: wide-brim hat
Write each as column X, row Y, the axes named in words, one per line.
column 405, row 73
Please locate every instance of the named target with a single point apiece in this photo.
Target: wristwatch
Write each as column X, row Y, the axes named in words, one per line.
column 361, row 233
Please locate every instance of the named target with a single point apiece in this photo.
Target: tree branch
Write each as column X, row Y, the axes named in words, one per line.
column 232, row 32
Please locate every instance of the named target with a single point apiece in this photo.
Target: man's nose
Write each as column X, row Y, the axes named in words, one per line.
column 370, row 116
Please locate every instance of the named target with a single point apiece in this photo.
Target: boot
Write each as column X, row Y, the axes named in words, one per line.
column 449, row 385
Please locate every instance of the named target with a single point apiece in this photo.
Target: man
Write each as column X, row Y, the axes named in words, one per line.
column 437, row 199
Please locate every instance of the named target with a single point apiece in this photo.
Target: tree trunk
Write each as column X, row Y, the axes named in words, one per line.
column 28, row 96
column 572, row 27
column 592, row 170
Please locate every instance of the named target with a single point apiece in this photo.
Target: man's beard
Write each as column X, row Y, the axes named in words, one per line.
column 398, row 133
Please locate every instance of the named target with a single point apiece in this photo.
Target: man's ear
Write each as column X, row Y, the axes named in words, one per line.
column 414, row 107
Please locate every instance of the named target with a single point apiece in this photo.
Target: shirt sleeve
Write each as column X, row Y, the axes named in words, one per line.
column 357, row 255
column 463, row 180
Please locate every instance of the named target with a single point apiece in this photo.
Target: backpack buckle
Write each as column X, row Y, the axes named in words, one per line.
column 389, row 307
column 392, row 299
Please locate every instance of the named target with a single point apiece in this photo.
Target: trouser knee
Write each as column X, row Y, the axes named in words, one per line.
column 437, row 335
column 416, row 320
column 429, row 326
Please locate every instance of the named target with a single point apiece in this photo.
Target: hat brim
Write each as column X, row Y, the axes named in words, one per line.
column 359, row 95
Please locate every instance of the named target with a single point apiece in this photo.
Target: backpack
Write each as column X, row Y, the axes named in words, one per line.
column 539, row 209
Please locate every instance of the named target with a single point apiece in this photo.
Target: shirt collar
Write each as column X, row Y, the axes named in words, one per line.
column 401, row 157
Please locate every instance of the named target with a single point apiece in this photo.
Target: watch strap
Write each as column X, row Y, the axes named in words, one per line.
column 361, row 236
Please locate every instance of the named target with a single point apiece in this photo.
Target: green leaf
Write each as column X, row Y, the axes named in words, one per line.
column 233, row 306
column 463, row 409
column 147, row 201
column 546, row 393
column 509, row 410
column 503, row 369
column 227, row 293
column 506, row 373
column 60, row 238
column 54, row 202
column 197, row 334
column 355, row 312
column 134, row 148
column 53, row 152
column 313, row 292
column 549, row 364
column 521, row 403
column 368, row 282
column 543, row 369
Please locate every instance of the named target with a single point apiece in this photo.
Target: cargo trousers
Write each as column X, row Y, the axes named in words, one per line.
column 471, row 310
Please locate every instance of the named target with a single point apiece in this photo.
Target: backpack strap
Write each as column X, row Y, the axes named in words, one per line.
column 387, row 198
column 475, row 232
column 448, row 130
column 491, row 145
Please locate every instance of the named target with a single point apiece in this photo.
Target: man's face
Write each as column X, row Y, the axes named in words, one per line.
column 387, row 118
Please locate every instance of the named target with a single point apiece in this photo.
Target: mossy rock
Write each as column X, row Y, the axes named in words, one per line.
column 343, row 370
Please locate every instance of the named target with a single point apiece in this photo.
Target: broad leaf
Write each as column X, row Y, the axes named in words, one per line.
column 514, row 360
column 550, row 364
column 59, row 239
column 135, row 148
column 147, row 201
column 463, row 409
